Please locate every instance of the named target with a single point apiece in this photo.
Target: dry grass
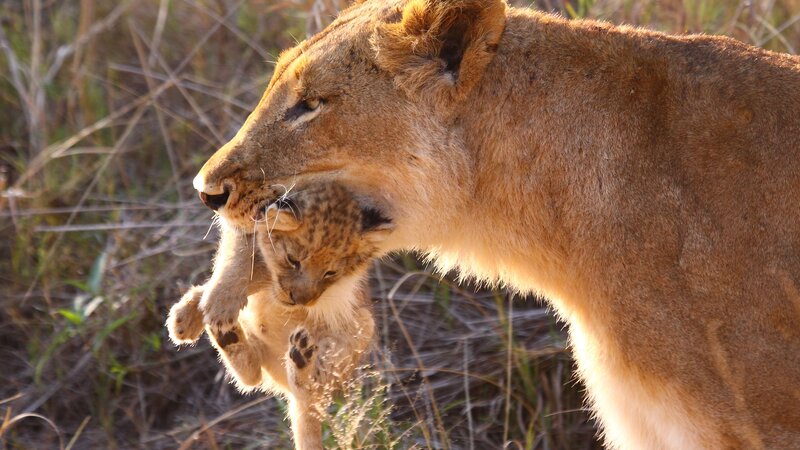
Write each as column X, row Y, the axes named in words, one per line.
column 107, row 109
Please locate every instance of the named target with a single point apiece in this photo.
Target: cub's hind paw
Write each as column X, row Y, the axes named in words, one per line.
column 226, row 334
column 301, row 348
column 185, row 321
column 243, row 365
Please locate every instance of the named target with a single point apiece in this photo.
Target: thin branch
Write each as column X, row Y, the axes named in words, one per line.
column 114, row 226
column 65, row 51
column 161, row 20
column 233, row 29
column 777, row 32
column 186, row 444
column 189, row 99
column 14, row 66
column 56, row 150
column 173, row 158
column 91, row 209
column 188, row 84
column 48, row 258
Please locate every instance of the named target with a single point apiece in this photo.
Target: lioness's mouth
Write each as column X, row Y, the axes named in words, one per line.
column 260, row 213
column 282, row 202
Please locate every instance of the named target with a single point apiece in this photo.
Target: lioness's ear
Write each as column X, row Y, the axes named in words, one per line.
column 375, row 226
column 282, row 216
column 440, row 47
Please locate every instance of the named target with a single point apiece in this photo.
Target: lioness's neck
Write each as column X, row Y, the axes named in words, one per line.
column 515, row 175
column 530, row 161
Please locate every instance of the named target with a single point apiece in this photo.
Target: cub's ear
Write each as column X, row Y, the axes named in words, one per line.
column 283, row 216
column 375, row 226
column 440, row 48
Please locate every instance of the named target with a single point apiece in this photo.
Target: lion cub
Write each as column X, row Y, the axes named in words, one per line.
column 294, row 317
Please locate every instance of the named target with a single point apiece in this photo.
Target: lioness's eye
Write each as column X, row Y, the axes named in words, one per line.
column 293, row 262
column 330, row 273
column 304, row 109
column 312, row 103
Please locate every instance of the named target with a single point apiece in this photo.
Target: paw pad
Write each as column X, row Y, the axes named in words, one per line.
column 228, row 338
column 301, row 348
column 226, row 334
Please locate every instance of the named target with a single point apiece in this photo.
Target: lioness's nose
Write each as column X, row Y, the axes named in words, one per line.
column 215, row 202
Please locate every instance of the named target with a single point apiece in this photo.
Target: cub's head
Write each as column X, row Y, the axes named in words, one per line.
column 315, row 237
column 369, row 101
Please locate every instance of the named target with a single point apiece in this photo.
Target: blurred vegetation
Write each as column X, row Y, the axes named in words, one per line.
column 107, row 110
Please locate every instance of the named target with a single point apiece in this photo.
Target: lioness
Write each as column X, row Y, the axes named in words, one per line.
column 308, row 319
column 648, row 185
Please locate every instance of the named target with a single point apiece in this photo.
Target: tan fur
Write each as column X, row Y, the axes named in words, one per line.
column 303, row 352
column 648, row 185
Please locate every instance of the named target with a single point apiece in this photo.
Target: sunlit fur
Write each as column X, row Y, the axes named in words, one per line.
column 324, row 230
column 648, row 185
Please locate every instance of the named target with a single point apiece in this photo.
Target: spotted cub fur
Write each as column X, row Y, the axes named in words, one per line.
column 292, row 317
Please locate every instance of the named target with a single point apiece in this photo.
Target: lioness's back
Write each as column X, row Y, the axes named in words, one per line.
column 696, row 141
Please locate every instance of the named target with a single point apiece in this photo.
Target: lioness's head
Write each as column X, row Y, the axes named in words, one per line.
column 314, row 237
column 370, row 101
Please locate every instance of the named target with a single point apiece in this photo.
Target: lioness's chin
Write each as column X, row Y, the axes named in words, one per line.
column 247, row 222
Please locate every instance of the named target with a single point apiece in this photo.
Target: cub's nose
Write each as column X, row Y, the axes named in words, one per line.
column 299, row 297
column 215, row 202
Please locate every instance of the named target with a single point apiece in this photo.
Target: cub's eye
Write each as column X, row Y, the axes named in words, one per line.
column 304, row 110
column 330, row 273
column 293, row 262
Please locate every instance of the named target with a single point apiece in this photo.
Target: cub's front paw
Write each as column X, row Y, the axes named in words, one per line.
column 185, row 320
column 301, row 348
column 221, row 314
